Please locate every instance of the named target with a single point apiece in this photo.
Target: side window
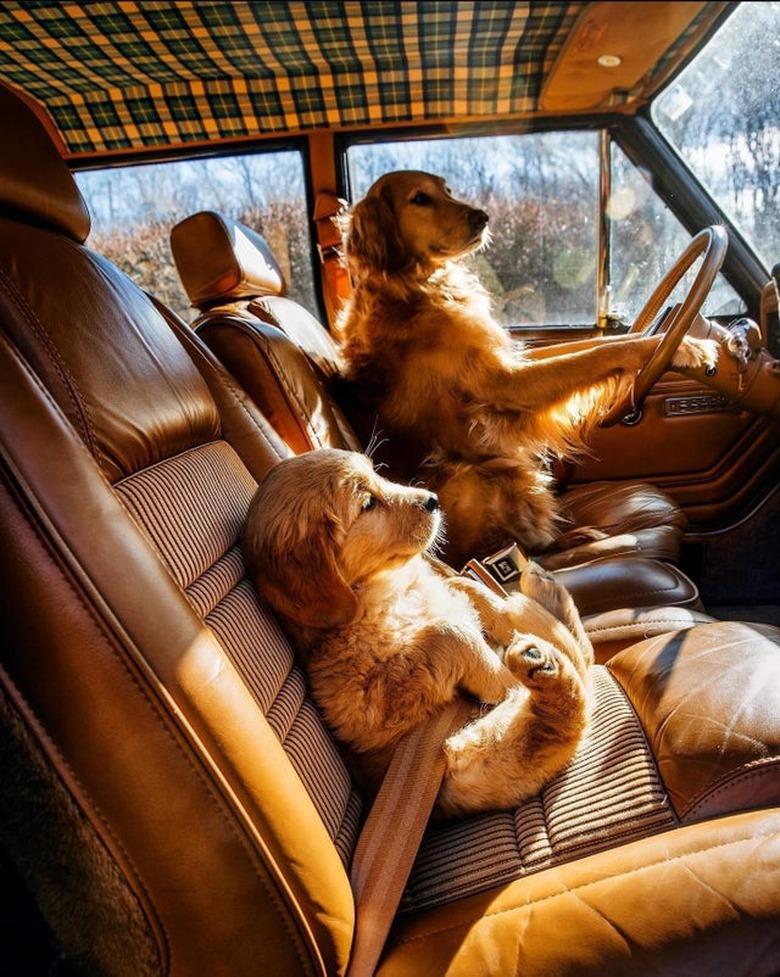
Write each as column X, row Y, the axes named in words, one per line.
column 646, row 241
column 133, row 209
column 541, row 192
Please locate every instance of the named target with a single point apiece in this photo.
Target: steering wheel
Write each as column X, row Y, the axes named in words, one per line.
column 712, row 243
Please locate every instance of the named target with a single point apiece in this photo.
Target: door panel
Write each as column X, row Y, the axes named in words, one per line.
column 710, row 458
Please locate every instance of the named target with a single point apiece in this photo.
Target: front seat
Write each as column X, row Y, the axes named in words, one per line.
column 171, row 799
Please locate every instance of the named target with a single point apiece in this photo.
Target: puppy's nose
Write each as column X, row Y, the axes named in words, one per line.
column 478, row 219
column 432, row 503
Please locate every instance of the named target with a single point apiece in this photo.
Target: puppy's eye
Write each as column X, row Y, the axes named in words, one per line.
column 421, row 199
column 368, row 503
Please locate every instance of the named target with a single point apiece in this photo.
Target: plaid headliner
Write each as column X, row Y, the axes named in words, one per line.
column 131, row 74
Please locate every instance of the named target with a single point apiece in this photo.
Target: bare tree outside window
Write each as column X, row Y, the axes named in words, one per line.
column 134, row 208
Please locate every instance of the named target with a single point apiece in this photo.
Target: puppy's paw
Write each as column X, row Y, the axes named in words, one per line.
column 693, row 353
column 540, row 585
column 559, row 698
column 535, row 663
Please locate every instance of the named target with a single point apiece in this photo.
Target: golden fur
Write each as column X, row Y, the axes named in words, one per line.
column 387, row 638
column 478, row 414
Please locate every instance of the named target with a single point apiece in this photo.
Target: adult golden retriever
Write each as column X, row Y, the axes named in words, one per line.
column 479, row 414
column 387, row 638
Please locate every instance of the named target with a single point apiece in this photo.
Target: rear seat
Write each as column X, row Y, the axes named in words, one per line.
column 289, row 365
column 170, row 795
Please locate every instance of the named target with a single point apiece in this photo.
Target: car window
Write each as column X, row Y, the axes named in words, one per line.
column 543, row 193
column 133, row 209
column 646, row 240
column 723, row 116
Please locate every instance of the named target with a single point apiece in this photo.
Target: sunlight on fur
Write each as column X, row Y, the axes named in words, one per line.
column 466, row 409
column 387, row 636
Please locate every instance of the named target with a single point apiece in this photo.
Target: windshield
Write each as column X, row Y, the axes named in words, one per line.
column 723, row 116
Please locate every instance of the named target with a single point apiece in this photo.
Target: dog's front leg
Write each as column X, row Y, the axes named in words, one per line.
column 556, row 349
column 540, row 585
column 529, row 612
column 538, row 384
column 465, row 661
column 511, row 752
column 492, row 609
column 501, row 617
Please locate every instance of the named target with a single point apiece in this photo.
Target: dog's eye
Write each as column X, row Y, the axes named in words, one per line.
column 368, row 503
column 421, row 199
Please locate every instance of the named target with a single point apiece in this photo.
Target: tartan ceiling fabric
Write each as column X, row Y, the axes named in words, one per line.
column 136, row 74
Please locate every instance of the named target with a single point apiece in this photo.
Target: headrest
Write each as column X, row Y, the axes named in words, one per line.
column 35, row 182
column 219, row 260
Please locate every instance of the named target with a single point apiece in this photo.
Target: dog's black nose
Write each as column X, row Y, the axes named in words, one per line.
column 432, row 503
column 478, row 219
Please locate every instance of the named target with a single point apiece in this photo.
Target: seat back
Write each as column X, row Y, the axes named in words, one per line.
column 278, row 351
column 188, row 813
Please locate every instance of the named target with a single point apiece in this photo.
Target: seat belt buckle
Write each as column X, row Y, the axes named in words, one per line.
column 507, row 564
column 501, row 571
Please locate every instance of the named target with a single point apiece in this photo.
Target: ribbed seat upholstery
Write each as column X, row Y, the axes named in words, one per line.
column 170, row 796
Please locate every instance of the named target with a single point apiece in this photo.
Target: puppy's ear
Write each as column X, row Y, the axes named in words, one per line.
column 308, row 587
column 372, row 240
column 297, row 572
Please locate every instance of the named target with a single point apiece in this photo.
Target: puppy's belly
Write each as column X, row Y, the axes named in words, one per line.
column 380, row 677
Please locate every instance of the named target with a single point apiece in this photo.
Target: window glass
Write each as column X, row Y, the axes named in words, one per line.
column 133, row 209
column 541, row 192
column 723, row 116
column 646, row 241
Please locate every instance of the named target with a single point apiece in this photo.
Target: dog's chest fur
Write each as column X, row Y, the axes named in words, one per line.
column 354, row 668
column 398, row 604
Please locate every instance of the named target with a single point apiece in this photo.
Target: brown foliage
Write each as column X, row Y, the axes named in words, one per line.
column 143, row 252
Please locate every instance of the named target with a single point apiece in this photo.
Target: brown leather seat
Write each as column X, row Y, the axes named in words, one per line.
column 289, row 365
column 231, row 276
column 170, row 796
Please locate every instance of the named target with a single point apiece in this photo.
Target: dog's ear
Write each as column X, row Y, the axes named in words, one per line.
column 309, row 588
column 372, row 241
column 297, row 571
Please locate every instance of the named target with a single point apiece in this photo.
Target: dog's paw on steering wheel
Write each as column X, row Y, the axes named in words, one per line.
column 693, row 353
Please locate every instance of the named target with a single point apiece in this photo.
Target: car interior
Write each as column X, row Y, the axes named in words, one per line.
column 172, row 801
column 289, row 364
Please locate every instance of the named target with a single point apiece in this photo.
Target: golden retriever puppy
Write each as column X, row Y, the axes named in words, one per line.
column 477, row 414
column 387, row 638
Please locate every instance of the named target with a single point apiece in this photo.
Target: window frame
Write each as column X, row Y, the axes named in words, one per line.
column 255, row 147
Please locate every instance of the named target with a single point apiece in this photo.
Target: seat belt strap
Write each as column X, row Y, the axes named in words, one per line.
column 392, row 833
column 335, row 278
